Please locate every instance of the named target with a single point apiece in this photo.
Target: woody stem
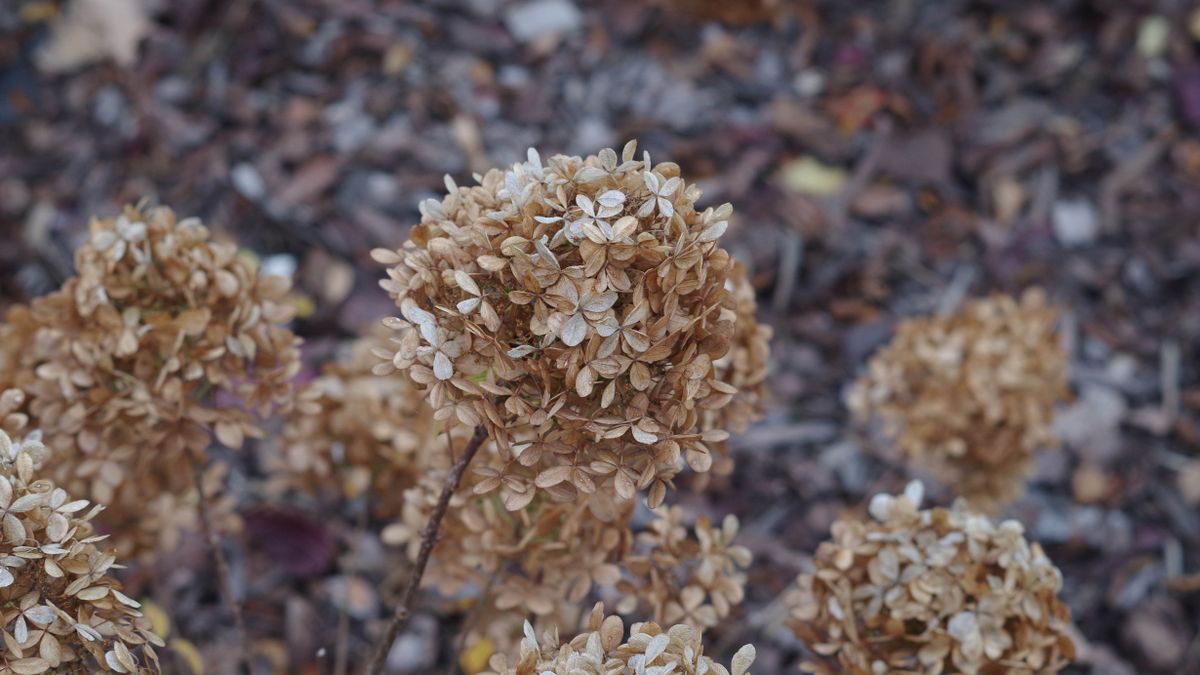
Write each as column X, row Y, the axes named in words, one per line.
column 428, row 539
column 224, row 577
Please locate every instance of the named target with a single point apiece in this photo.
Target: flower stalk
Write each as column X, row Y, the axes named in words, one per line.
column 428, row 540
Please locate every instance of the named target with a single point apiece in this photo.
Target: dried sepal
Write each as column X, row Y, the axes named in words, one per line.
column 680, row 577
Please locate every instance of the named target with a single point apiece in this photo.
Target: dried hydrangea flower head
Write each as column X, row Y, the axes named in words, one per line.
column 164, row 337
column 604, row 648
column 971, row 396
column 547, row 558
column 576, row 309
column 60, row 609
column 355, row 433
column 930, row 591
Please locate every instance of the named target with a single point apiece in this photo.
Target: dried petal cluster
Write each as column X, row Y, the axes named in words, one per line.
column 603, row 648
column 971, row 396
column 355, row 433
column 685, row 579
column 550, row 556
column 578, row 310
column 930, row 591
column 164, row 337
column 59, row 608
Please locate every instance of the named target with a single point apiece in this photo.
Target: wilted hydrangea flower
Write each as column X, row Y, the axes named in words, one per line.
column 59, row 609
column 578, row 310
column 547, row 558
column 971, row 396
column 163, row 338
column 604, row 648
column 931, row 591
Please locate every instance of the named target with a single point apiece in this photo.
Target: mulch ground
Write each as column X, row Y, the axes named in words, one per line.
column 885, row 159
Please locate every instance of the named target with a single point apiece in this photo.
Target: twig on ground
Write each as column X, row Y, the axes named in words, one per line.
column 789, row 268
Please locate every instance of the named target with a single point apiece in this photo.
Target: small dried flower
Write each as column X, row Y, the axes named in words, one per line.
column 59, row 608
column 164, row 338
column 693, row 580
column 578, row 310
column 12, row 419
column 930, row 591
column 971, row 396
column 648, row 650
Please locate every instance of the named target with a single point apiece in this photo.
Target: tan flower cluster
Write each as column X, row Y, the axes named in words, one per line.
column 578, row 310
column 932, row 591
column 685, row 579
column 356, row 433
column 603, row 648
column 550, row 556
column 164, row 337
column 971, row 396
column 59, row 608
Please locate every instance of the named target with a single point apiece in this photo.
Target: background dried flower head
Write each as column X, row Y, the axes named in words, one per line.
column 163, row 338
column 930, row 591
column 971, row 395
column 356, row 434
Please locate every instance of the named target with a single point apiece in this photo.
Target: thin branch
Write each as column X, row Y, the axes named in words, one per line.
column 224, row 577
column 428, row 539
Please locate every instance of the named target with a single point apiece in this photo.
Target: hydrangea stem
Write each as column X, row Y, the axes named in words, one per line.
column 224, row 577
column 428, row 539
